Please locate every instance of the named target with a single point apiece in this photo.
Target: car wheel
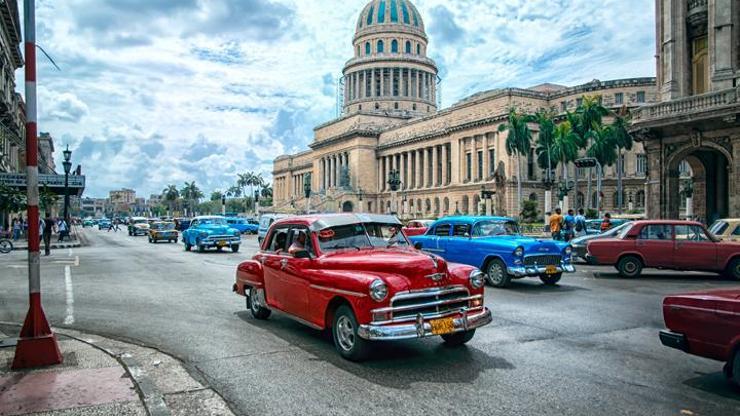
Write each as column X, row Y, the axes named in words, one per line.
column 130, row 234
column 344, row 331
column 458, row 338
column 496, row 273
column 150, row 240
column 551, row 279
column 201, row 248
column 630, row 266
column 235, row 248
column 733, row 270
column 6, row 246
column 255, row 300
column 736, row 368
column 187, row 245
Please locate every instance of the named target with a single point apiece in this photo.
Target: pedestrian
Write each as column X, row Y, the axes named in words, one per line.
column 116, row 227
column 25, row 228
column 16, row 229
column 606, row 223
column 580, row 227
column 556, row 224
column 48, row 229
column 62, row 229
column 569, row 224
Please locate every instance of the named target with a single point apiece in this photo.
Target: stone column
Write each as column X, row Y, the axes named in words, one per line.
column 445, row 173
column 380, row 174
column 486, row 161
column 321, row 173
column 357, row 85
column 435, row 163
column 400, row 82
column 722, row 53
column 372, row 82
column 476, row 159
column 381, row 71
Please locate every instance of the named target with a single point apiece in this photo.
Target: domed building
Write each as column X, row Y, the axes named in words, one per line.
column 390, row 70
column 441, row 159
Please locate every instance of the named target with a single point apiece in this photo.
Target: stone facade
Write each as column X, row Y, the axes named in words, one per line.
column 12, row 111
column 444, row 157
column 696, row 121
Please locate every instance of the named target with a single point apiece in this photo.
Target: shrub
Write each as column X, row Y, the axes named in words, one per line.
column 529, row 212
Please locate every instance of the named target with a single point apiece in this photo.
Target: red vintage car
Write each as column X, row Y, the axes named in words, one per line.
column 358, row 275
column 416, row 227
column 706, row 324
column 678, row 245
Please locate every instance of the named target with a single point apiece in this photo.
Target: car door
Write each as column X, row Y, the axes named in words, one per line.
column 693, row 248
column 436, row 241
column 295, row 283
column 457, row 246
column 273, row 258
column 655, row 243
column 189, row 237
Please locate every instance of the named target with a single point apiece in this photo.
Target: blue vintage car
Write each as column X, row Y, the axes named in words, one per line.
column 496, row 246
column 211, row 232
column 244, row 225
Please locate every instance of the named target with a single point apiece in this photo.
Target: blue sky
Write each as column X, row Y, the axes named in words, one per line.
column 158, row 92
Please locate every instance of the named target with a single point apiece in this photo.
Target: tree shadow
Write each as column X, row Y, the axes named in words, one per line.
column 397, row 364
column 666, row 276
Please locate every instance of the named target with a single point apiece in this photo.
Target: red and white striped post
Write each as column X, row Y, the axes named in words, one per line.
column 37, row 345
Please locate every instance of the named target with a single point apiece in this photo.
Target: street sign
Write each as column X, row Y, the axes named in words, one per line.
column 586, row 162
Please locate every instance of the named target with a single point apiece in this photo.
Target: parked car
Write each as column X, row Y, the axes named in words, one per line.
column 182, row 224
column 87, row 223
column 104, row 224
column 593, row 227
column 266, row 221
column 211, row 232
column 666, row 244
column 579, row 243
column 162, row 231
column 706, row 324
column 417, row 227
column 726, row 229
column 496, row 246
column 138, row 226
column 357, row 275
column 244, row 225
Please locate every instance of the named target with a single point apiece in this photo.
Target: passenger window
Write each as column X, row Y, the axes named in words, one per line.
column 690, row 233
column 278, row 240
column 737, row 230
column 295, row 244
column 194, row 224
column 656, row 232
column 461, row 230
column 442, row 230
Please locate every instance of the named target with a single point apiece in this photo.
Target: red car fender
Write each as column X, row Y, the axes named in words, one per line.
column 248, row 273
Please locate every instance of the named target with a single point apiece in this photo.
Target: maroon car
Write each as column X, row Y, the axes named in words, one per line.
column 677, row 245
column 706, row 324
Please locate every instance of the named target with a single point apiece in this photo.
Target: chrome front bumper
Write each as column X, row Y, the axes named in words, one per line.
column 421, row 328
column 215, row 242
column 522, row 271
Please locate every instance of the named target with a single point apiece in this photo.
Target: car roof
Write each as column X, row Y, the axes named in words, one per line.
column 666, row 222
column 729, row 219
column 472, row 219
column 207, row 217
column 318, row 222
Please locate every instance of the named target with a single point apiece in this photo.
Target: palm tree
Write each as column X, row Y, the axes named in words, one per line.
column 589, row 115
column 244, row 180
column 216, row 196
column 518, row 142
column 266, row 190
column 257, row 181
column 234, row 191
column 191, row 193
column 170, row 194
column 622, row 140
column 602, row 147
column 544, row 119
column 565, row 147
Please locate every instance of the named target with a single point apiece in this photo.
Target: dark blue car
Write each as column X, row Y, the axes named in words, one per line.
column 245, row 226
column 496, row 246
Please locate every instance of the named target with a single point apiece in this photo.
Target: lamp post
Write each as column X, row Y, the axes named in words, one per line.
column 307, row 191
column 257, row 203
column 359, row 197
column 394, row 181
column 486, row 196
column 590, row 162
column 67, row 167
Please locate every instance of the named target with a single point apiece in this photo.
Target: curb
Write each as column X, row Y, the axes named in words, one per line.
column 51, row 246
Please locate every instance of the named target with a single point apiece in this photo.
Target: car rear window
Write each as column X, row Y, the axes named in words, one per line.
column 656, row 232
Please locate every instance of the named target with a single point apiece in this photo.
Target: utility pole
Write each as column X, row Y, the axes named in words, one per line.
column 37, row 346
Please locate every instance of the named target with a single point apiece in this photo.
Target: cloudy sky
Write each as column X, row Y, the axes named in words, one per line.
column 153, row 92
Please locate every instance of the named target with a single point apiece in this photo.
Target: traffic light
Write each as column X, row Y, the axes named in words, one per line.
column 586, row 162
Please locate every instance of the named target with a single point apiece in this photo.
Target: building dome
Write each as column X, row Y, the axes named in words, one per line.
column 379, row 13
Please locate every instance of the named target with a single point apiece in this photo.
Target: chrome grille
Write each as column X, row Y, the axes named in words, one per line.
column 430, row 302
column 221, row 237
column 542, row 260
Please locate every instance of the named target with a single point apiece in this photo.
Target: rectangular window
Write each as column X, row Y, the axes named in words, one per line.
column 480, row 165
column 530, row 164
column 640, row 96
column 563, row 106
column 468, row 166
column 442, row 230
column 619, row 98
column 491, row 162
column 579, row 101
column 690, row 233
column 656, row 232
column 641, row 165
column 461, row 230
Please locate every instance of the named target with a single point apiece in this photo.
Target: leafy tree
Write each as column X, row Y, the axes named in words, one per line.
column 623, row 141
column 266, row 190
column 518, row 142
column 47, row 199
column 192, row 194
column 170, row 194
column 529, row 212
column 544, row 119
column 216, row 196
column 11, row 199
column 564, row 147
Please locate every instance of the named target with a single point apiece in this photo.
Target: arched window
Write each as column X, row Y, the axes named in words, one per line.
column 408, row 47
column 368, row 48
column 446, row 205
column 465, row 205
column 416, row 20
column 380, row 46
column 370, row 16
column 476, row 204
column 436, row 205
column 581, row 200
column 418, row 49
column 533, row 197
column 418, row 205
column 394, row 46
column 358, row 50
column 640, row 199
column 428, row 205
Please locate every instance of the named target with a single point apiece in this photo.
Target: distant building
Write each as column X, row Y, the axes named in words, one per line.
column 12, row 111
column 46, row 154
column 93, row 207
column 122, row 201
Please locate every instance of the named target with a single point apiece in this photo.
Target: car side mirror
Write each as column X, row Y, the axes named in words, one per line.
column 302, row 254
column 417, row 245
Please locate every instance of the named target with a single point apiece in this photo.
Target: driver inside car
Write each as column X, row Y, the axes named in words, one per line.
column 298, row 244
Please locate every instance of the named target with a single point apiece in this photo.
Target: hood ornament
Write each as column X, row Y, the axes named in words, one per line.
column 436, row 277
column 434, row 260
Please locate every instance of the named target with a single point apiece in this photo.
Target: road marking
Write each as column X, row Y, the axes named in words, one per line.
column 70, row 318
column 69, row 254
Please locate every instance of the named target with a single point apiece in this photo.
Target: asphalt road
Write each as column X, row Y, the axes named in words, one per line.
column 586, row 347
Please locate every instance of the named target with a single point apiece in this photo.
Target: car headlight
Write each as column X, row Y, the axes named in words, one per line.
column 378, row 290
column 477, row 279
column 519, row 252
column 236, row 233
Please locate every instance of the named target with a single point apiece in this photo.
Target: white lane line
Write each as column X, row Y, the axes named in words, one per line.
column 77, row 261
column 70, row 318
column 69, row 254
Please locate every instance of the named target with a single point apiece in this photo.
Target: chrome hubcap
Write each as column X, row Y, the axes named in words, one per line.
column 495, row 273
column 345, row 333
column 630, row 267
column 254, row 300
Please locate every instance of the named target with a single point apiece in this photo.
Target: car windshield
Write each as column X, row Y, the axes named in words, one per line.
column 619, row 232
column 163, row 226
column 360, row 236
column 719, row 227
column 235, row 221
column 140, row 221
column 212, row 221
column 493, row 228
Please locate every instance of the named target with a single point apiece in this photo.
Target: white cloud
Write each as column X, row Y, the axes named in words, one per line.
column 143, row 83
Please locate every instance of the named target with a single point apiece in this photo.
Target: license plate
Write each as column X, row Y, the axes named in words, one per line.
column 551, row 270
column 221, row 243
column 442, row 326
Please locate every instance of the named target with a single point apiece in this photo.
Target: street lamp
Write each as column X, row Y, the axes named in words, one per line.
column 256, row 202
column 67, row 167
column 394, row 181
column 359, row 197
column 590, row 162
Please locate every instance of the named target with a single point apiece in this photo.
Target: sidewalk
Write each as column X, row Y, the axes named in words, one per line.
column 101, row 376
column 77, row 239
